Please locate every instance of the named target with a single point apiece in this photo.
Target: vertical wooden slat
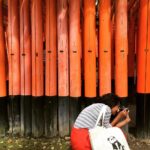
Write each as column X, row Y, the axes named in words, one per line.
column 3, row 94
column 143, row 48
column 37, row 69
column 89, row 49
column 63, row 67
column 37, row 49
column 50, row 110
column 121, row 46
column 14, row 49
column 51, row 69
column 75, row 48
column 14, row 65
column 62, row 37
column 2, row 56
column 75, row 58
column 105, row 47
column 143, row 71
column 26, row 67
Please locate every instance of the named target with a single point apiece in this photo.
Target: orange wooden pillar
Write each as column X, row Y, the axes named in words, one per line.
column 14, row 50
column 37, row 69
column 75, row 48
column 89, row 49
column 121, row 49
column 143, row 70
column 26, row 67
column 2, row 56
column 14, row 64
column 105, row 47
column 51, row 70
column 75, row 58
column 3, row 94
column 63, row 67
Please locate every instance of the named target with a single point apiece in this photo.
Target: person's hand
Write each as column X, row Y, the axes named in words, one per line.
column 124, row 113
column 128, row 119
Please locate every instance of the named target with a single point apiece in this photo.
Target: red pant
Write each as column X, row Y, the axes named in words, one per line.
column 80, row 139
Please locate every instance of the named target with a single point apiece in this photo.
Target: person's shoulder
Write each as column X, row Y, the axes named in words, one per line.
column 108, row 109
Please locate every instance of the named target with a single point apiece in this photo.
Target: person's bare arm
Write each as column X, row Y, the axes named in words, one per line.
column 124, row 122
column 120, row 116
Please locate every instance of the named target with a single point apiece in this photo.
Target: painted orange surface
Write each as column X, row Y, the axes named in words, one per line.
column 14, row 49
column 121, row 49
column 63, row 46
column 75, row 48
column 37, row 49
column 51, row 68
column 89, row 49
column 143, row 48
column 25, row 48
column 131, row 53
column 105, row 47
column 2, row 56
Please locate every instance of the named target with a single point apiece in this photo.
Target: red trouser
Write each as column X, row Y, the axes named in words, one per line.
column 80, row 139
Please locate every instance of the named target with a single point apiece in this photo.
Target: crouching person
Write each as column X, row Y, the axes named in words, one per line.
column 88, row 117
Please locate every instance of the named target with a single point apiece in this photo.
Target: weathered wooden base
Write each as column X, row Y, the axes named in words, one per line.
column 113, row 86
column 74, row 110
column 26, row 116
column 63, row 116
column 143, row 115
column 4, row 125
column 124, row 102
column 14, row 115
column 131, row 86
column 37, row 116
column 89, row 101
column 51, row 115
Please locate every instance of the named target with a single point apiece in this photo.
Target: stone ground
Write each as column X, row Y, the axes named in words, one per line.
column 9, row 143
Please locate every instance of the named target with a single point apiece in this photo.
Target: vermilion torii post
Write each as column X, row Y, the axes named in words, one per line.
column 37, row 49
column 75, row 48
column 37, row 69
column 14, row 65
column 89, row 49
column 25, row 48
column 105, row 47
column 63, row 67
column 143, row 48
column 75, row 58
column 121, row 49
column 51, row 69
column 2, row 56
column 3, row 93
column 14, row 49
column 62, row 37
column 26, row 67
column 143, row 70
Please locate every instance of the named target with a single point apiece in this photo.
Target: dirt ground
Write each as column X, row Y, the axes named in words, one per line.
column 8, row 143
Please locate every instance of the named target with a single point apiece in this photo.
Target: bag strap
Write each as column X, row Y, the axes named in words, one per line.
column 101, row 115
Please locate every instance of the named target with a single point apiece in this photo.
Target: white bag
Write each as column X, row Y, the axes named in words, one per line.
column 107, row 138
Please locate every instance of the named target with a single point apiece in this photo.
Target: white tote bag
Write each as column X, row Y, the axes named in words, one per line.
column 107, row 138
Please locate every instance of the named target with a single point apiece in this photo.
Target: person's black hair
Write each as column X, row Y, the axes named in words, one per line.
column 109, row 99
